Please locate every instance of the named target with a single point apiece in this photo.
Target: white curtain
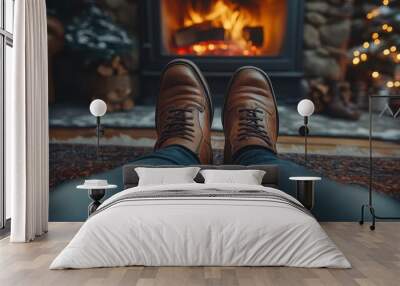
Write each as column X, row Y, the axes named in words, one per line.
column 27, row 124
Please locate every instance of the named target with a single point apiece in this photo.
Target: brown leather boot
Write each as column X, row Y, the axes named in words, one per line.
column 250, row 114
column 184, row 110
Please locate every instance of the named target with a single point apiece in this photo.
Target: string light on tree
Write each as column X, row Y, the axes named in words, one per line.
column 363, row 57
column 375, row 74
column 374, row 13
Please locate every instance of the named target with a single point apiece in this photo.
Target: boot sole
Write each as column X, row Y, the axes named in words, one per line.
column 199, row 76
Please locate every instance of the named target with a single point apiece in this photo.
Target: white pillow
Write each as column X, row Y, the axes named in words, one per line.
column 247, row 177
column 166, row 176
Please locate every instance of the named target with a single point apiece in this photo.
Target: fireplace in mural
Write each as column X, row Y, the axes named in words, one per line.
column 220, row 36
column 223, row 28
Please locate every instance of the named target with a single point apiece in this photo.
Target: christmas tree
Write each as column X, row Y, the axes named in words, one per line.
column 376, row 57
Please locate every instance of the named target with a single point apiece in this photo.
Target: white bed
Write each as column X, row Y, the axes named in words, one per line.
column 185, row 230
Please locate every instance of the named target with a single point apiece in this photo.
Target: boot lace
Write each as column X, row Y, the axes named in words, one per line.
column 249, row 125
column 179, row 123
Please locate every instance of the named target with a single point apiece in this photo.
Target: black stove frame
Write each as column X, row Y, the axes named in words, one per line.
column 285, row 70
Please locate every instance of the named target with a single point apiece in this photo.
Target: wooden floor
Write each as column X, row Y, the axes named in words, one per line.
column 375, row 257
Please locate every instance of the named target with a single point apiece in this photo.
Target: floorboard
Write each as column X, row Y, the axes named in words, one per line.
column 375, row 257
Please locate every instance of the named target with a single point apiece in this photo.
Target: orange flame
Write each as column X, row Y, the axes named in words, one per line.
column 249, row 28
column 227, row 15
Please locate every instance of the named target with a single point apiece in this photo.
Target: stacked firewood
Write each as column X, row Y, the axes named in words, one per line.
column 323, row 93
column 113, row 84
column 319, row 94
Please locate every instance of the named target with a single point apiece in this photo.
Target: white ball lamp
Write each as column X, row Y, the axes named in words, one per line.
column 98, row 108
column 305, row 108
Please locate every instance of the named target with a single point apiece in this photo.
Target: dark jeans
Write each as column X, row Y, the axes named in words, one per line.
column 178, row 155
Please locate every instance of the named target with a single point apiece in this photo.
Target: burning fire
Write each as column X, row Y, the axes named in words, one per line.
column 234, row 19
column 219, row 48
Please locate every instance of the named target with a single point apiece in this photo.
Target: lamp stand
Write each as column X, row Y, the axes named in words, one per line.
column 305, row 138
column 98, row 134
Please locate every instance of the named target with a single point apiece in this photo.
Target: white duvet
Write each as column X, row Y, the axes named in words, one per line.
column 200, row 231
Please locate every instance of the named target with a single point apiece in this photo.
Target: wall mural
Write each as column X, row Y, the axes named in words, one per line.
column 349, row 52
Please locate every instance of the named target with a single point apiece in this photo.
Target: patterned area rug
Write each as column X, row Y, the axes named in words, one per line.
column 355, row 170
column 73, row 161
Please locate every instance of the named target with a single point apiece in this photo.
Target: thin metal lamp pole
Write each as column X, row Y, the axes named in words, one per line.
column 305, row 138
column 98, row 108
column 370, row 156
column 98, row 136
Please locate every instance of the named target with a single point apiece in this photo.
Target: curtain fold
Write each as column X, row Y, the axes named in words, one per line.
column 27, row 124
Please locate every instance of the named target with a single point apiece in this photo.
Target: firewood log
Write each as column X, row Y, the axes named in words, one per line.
column 255, row 35
column 105, row 71
column 128, row 104
column 121, row 70
column 319, row 94
column 112, row 83
column 197, row 33
column 113, row 96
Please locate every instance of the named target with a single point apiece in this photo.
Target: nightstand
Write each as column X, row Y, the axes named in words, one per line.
column 96, row 191
column 305, row 190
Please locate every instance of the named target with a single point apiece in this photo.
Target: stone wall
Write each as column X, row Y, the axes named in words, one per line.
column 327, row 32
